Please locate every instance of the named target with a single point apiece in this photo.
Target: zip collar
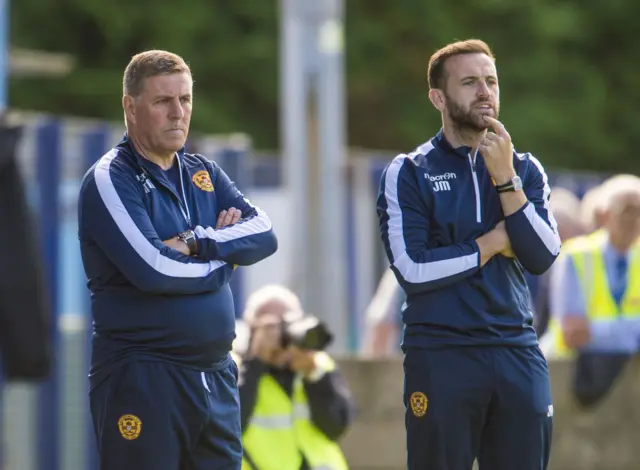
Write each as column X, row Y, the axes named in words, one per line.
column 147, row 165
column 443, row 144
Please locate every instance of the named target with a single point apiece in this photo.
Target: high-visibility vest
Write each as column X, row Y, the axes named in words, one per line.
column 280, row 432
column 588, row 261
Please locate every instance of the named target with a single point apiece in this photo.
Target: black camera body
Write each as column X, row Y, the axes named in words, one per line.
column 306, row 332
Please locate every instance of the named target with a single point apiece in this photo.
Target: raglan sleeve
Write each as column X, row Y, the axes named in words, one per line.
column 532, row 230
column 404, row 220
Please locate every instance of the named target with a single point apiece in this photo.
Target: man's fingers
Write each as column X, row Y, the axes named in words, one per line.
column 488, row 140
column 228, row 218
column 236, row 216
column 497, row 126
column 232, row 216
column 221, row 217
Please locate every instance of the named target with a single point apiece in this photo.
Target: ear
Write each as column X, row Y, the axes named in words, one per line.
column 437, row 99
column 128, row 104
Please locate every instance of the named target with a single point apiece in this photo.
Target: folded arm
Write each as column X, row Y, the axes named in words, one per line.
column 244, row 243
column 532, row 230
column 112, row 213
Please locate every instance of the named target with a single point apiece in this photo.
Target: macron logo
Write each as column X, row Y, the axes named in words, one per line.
column 146, row 182
column 441, row 182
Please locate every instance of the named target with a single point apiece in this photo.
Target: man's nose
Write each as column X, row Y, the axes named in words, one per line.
column 483, row 89
column 177, row 110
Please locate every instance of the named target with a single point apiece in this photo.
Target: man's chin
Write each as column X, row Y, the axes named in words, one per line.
column 481, row 123
column 173, row 145
column 475, row 125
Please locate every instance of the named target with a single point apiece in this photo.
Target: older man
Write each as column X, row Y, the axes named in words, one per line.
column 595, row 293
column 161, row 232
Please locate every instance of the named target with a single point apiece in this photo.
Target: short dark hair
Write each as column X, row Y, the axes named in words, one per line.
column 150, row 64
column 436, row 74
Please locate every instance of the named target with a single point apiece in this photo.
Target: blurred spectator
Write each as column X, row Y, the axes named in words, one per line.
column 592, row 206
column 294, row 402
column 595, row 290
column 566, row 210
column 590, row 210
column 383, row 318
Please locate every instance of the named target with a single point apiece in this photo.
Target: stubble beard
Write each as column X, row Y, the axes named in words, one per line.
column 464, row 120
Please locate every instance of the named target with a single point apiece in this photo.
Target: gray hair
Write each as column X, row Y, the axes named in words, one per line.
column 150, row 64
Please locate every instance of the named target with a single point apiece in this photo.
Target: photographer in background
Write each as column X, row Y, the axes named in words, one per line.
column 294, row 403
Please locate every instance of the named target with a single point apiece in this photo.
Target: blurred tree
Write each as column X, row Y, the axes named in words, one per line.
column 567, row 67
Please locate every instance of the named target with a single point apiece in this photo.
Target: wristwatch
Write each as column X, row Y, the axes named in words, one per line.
column 189, row 237
column 514, row 185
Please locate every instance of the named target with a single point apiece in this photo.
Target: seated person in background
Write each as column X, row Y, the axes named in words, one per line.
column 294, row 403
column 566, row 210
column 595, row 294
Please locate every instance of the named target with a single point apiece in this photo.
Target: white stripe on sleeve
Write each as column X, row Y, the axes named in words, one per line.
column 254, row 226
column 143, row 247
column 548, row 235
column 411, row 271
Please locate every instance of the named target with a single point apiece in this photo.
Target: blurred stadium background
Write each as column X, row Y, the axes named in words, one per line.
column 302, row 102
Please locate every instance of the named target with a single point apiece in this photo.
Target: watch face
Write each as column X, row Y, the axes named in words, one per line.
column 517, row 183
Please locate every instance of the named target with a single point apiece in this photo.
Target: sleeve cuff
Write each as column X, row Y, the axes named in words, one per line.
column 323, row 365
column 476, row 249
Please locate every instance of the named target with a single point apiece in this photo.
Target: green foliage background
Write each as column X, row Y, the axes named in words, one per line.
column 568, row 68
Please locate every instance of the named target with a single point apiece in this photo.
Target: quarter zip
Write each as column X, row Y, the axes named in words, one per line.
column 185, row 209
column 182, row 202
column 476, row 186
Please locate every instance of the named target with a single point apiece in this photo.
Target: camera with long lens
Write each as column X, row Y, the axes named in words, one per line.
column 306, row 332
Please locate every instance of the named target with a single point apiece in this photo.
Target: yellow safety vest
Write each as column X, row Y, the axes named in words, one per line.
column 586, row 254
column 280, row 432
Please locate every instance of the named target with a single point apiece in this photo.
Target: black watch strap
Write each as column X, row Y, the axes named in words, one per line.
column 189, row 237
column 502, row 188
column 515, row 184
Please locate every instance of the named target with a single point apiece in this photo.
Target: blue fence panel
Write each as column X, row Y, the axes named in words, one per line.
column 48, row 178
column 95, row 143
